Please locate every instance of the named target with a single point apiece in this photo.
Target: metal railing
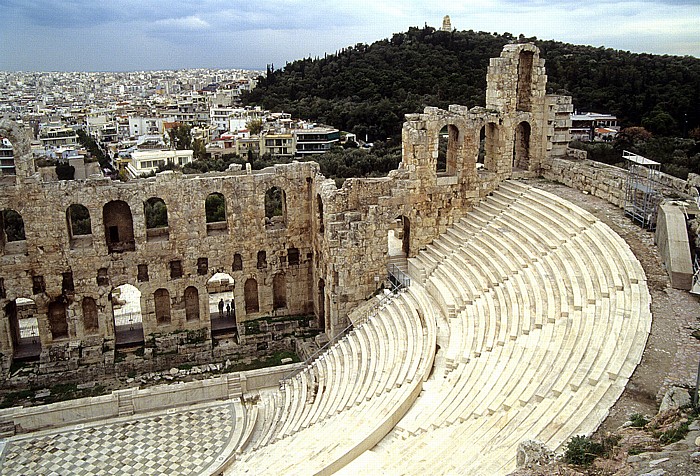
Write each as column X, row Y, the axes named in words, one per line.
column 398, row 278
column 397, row 281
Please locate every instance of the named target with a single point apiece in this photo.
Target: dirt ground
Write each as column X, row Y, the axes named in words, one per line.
column 671, row 355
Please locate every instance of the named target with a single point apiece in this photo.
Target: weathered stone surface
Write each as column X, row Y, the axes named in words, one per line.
column 533, row 453
column 675, row 397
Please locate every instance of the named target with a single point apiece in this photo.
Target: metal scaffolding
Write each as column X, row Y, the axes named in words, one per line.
column 641, row 197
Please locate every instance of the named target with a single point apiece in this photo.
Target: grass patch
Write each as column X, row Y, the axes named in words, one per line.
column 674, row 434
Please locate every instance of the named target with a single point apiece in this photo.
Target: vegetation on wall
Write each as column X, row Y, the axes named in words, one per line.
column 367, row 89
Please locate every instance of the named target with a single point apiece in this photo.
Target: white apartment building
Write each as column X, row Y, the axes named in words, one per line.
column 144, row 162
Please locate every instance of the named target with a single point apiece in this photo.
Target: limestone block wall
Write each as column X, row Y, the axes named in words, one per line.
column 326, row 253
column 186, row 254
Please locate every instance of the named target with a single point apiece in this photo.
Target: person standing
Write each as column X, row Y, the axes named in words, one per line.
column 221, row 308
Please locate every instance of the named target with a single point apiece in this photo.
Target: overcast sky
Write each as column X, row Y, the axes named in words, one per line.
column 109, row 35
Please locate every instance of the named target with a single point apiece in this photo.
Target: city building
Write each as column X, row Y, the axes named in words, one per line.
column 144, row 162
column 7, row 159
column 584, row 125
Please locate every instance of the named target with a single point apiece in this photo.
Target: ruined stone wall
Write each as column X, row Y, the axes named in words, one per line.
column 330, row 247
column 199, row 250
column 605, row 181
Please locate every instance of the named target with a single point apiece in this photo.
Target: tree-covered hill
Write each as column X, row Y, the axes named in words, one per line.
column 367, row 89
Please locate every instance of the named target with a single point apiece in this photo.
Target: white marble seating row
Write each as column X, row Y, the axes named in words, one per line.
column 541, row 364
column 408, row 316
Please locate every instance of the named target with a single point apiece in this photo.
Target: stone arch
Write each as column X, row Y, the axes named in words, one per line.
column 215, row 213
column 119, row 226
column 156, row 215
column 521, row 146
column 90, row 316
column 191, row 303
column 161, row 302
column 275, row 208
column 524, row 88
column 489, row 139
column 126, row 315
column 22, row 314
column 279, row 291
column 448, row 145
column 319, row 206
column 78, row 219
column 58, row 322
column 222, row 304
column 250, row 290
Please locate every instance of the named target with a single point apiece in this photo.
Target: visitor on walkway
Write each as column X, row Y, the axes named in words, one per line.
column 221, row 308
column 228, row 309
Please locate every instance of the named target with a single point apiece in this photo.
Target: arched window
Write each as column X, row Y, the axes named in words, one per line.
column 524, row 91
column 12, row 226
column 191, row 303
column 156, row 213
column 78, row 218
column 237, row 262
column 251, row 296
column 521, row 146
column 119, row 226
column 215, row 209
column 161, row 300
column 279, row 291
column 57, row 320
column 90, row 320
column 275, row 208
column 448, row 146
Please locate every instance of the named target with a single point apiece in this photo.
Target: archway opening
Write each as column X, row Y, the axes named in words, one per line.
column 447, row 150
column 275, row 208
column 524, row 91
column 156, row 213
column 126, row 313
column 12, row 238
column 79, row 225
column 521, row 146
column 215, row 214
column 222, row 304
column 119, row 227
column 24, row 328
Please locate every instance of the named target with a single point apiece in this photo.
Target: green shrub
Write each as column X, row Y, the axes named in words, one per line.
column 582, row 450
column 638, row 420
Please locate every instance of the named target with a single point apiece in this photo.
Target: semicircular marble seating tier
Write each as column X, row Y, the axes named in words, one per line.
column 539, row 313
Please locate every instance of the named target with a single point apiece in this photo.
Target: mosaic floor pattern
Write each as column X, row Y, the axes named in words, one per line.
column 172, row 443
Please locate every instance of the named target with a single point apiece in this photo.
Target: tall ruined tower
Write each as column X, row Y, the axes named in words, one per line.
column 516, row 88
